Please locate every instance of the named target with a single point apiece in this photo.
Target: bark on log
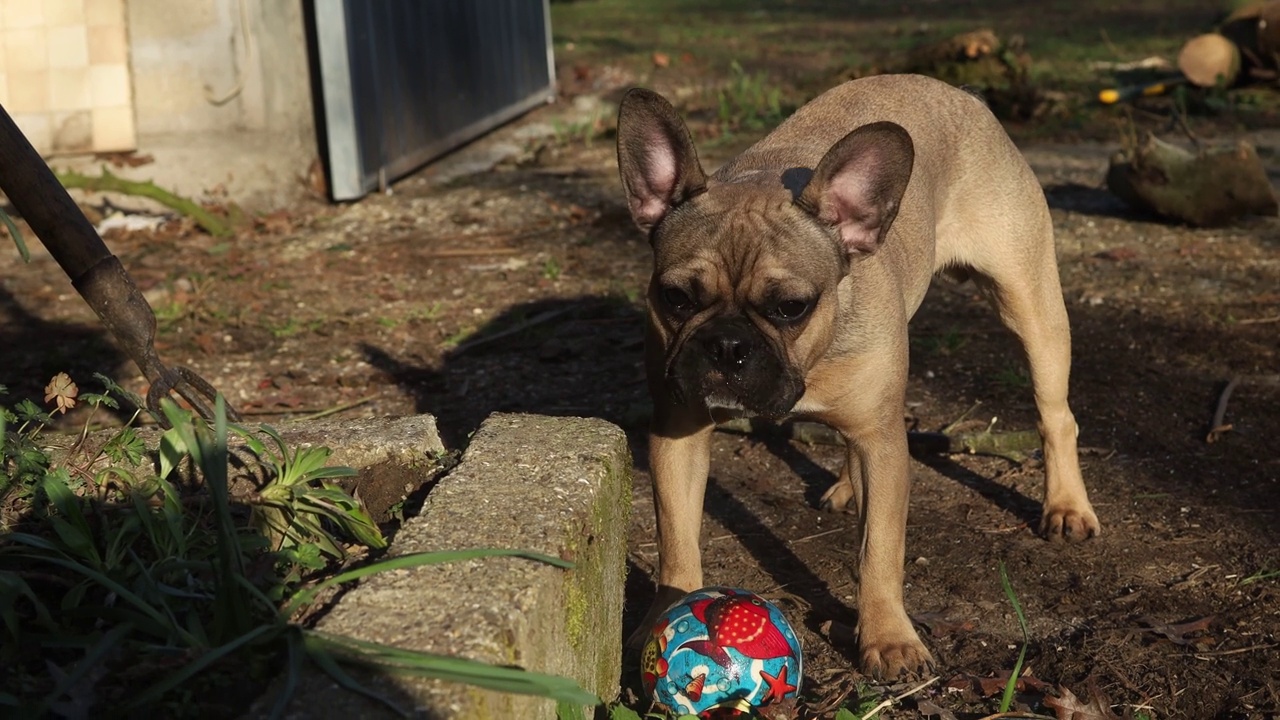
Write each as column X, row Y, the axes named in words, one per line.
column 1210, row 188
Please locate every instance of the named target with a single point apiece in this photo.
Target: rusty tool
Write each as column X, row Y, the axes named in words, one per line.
column 95, row 273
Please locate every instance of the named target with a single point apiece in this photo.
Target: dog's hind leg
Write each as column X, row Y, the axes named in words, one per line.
column 1024, row 288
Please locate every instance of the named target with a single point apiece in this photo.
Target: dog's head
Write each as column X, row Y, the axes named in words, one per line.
column 743, row 299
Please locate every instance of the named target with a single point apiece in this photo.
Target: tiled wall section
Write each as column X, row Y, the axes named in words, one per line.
column 64, row 74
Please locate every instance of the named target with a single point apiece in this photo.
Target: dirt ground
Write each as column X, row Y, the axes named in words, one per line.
column 520, row 289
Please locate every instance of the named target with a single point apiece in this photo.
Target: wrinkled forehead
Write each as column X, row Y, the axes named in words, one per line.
column 763, row 245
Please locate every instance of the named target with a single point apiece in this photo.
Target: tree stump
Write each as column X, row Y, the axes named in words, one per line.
column 1210, row 60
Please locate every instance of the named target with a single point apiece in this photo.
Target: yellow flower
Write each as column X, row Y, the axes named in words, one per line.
column 62, row 389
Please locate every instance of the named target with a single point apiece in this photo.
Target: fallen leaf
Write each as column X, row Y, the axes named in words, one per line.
column 661, row 59
column 1117, row 254
column 962, row 681
column 940, row 626
column 1177, row 632
column 279, row 222
column 1069, row 707
column 992, row 686
column 124, row 159
column 206, row 342
column 928, row 709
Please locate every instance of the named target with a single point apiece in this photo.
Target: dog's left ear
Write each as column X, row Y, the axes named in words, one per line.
column 656, row 158
column 857, row 187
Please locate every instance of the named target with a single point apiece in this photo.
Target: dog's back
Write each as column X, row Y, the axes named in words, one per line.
column 972, row 198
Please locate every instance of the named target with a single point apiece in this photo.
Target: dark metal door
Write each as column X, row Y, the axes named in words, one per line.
column 404, row 81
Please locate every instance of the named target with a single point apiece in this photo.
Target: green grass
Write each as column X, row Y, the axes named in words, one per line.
column 805, row 46
column 1006, row 699
column 943, row 344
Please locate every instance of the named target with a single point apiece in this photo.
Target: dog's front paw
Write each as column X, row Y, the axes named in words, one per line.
column 890, row 656
column 663, row 599
column 837, row 497
column 1070, row 523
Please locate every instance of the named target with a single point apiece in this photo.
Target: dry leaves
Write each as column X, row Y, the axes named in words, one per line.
column 992, row 686
column 62, row 390
column 1069, row 707
column 1178, row 632
column 940, row 626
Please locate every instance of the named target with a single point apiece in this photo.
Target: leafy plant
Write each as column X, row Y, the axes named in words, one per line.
column 749, row 102
column 944, row 344
column 863, row 703
column 123, row 587
column 551, row 269
column 1013, row 378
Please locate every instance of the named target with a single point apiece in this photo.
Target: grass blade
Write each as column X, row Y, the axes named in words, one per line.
column 231, row 608
column 414, row 560
column 157, row 690
column 121, row 591
column 321, row 656
column 16, row 234
column 1006, row 700
column 91, row 660
column 444, row 667
column 292, row 672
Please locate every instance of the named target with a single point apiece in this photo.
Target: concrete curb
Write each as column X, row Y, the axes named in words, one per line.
column 559, row 486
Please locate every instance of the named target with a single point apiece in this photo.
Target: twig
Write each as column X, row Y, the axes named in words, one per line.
column 814, row 536
column 1236, row 651
column 338, row 408
column 1259, row 321
column 470, row 252
column 1012, row 445
column 113, row 183
column 898, row 698
column 1219, row 426
column 954, row 423
column 1018, row 714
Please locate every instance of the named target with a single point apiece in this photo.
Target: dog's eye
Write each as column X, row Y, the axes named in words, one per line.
column 791, row 310
column 677, row 299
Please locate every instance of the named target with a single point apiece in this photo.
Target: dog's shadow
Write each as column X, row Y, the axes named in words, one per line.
column 584, row 356
column 923, row 448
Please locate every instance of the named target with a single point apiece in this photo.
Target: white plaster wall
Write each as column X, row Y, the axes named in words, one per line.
column 187, row 53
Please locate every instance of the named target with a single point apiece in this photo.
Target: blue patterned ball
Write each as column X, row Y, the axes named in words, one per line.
column 721, row 649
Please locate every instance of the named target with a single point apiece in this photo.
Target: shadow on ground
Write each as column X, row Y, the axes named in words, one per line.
column 578, row 356
column 33, row 350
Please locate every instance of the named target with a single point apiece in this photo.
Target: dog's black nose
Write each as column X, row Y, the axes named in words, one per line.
column 729, row 348
column 729, row 351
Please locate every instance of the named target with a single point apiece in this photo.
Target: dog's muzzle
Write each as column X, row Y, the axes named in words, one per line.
column 729, row 363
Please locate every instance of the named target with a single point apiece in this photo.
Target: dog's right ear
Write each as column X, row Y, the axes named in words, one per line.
column 656, row 158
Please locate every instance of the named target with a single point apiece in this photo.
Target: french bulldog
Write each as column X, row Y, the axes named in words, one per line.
column 783, row 284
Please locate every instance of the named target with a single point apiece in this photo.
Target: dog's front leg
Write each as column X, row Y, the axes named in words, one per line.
column 868, row 414
column 679, row 460
column 887, row 643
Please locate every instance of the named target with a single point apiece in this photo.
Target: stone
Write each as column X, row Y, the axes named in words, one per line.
column 555, row 485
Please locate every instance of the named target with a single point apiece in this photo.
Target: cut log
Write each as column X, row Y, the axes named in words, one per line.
column 1210, row 188
column 1254, row 28
column 958, row 48
column 971, row 58
column 1210, row 60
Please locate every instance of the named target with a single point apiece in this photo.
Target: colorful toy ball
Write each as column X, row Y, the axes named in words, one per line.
column 721, row 652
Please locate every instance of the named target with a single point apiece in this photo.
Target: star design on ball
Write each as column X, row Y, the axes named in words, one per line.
column 778, row 686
